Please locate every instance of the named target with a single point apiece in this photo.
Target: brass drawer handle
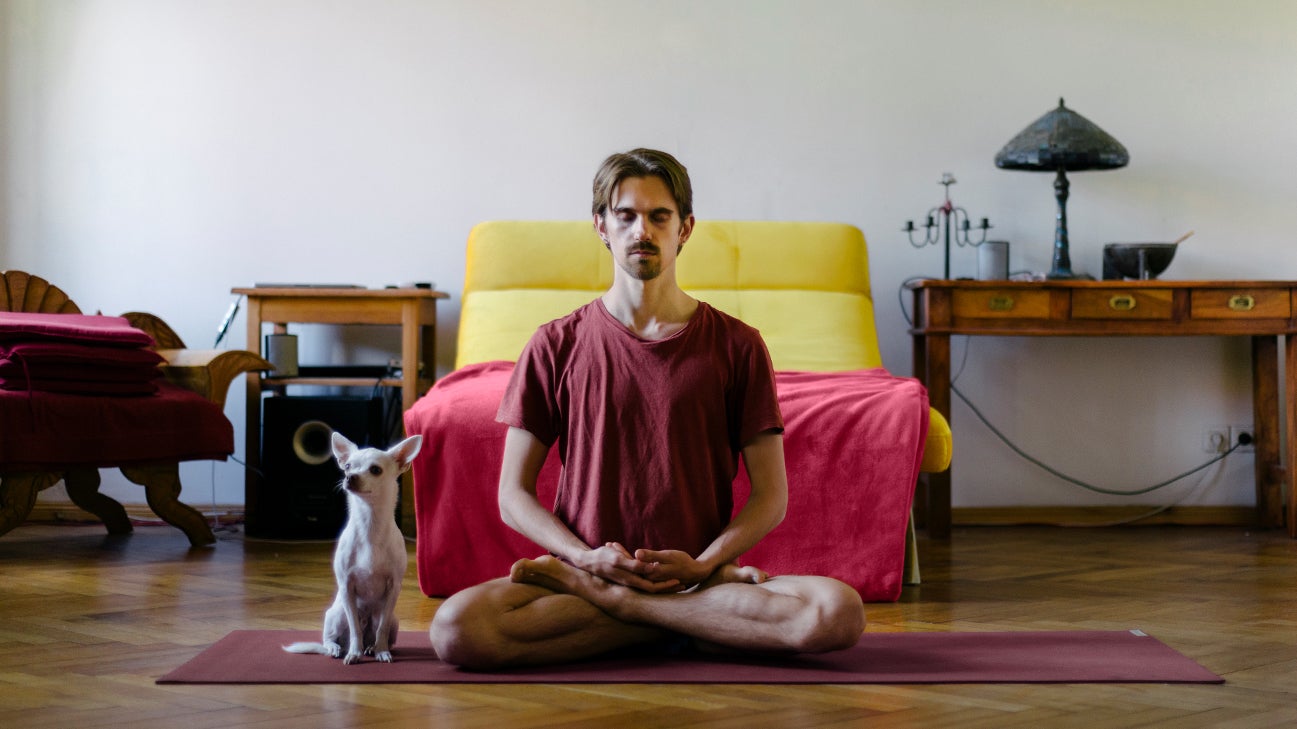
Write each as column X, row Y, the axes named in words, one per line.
column 1001, row 303
column 1122, row 302
column 1242, row 302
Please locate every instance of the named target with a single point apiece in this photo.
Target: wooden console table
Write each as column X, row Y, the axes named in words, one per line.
column 1263, row 310
column 413, row 309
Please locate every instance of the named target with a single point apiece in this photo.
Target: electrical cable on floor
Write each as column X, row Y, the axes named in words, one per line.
column 216, row 520
column 245, row 465
column 1138, row 517
column 1089, row 487
column 217, row 528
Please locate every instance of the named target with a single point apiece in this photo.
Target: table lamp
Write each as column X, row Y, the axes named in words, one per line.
column 1062, row 141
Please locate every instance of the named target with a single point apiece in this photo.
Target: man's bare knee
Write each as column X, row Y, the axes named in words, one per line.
column 449, row 632
column 836, row 618
column 462, row 635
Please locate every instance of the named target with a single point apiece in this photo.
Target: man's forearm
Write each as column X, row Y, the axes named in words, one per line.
column 758, row 518
column 522, row 511
column 524, row 454
column 765, row 507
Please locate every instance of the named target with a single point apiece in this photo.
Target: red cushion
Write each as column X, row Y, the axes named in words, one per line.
column 93, row 369
column 110, row 330
column 43, row 430
column 99, row 388
column 42, row 353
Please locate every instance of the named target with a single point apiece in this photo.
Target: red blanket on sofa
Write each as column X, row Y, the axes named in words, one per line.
column 853, row 442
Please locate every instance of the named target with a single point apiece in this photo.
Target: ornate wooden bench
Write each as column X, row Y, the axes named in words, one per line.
column 53, row 436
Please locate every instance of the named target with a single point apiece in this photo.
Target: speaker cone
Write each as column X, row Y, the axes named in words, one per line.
column 313, row 442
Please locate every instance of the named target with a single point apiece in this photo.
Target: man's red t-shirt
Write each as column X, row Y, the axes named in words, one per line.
column 649, row 432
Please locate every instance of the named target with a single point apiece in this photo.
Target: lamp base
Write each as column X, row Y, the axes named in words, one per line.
column 1068, row 276
column 1062, row 266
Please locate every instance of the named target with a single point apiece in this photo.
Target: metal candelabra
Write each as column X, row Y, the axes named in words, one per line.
column 949, row 214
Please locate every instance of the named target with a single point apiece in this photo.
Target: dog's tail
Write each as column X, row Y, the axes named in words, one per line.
column 308, row 648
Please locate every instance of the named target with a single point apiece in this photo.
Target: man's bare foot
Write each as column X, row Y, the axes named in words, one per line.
column 545, row 571
column 554, row 574
column 734, row 573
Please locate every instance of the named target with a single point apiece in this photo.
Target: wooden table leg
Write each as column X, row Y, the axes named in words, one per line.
column 252, row 423
column 410, row 341
column 1265, row 414
column 1290, row 422
column 919, row 363
column 938, row 383
column 931, row 363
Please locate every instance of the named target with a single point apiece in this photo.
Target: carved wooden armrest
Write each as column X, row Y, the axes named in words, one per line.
column 209, row 372
column 164, row 335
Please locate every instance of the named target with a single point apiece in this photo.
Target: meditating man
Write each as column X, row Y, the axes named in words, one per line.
column 651, row 396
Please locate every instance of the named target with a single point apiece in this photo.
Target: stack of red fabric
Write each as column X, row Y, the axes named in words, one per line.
column 76, row 353
column 78, row 390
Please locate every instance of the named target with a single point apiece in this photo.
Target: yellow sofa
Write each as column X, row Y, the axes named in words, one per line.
column 805, row 286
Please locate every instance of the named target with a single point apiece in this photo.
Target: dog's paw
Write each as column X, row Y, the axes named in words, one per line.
column 352, row 658
column 333, row 649
column 383, row 657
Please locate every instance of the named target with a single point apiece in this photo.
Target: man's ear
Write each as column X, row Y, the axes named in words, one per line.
column 686, row 230
column 602, row 230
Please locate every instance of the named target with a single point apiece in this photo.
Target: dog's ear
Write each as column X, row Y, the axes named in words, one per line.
column 342, row 448
column 405, row 451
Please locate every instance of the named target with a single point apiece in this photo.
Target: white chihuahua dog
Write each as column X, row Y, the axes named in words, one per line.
column 369, row 562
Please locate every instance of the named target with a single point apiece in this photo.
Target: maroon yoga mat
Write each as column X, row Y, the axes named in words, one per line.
column 254, row 656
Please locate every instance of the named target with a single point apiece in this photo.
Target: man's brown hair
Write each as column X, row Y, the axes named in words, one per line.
column 643, row 163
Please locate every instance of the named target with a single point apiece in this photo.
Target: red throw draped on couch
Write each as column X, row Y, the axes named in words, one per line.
column 853, row 442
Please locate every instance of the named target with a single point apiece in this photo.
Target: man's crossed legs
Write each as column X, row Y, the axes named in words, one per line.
column 548, row 611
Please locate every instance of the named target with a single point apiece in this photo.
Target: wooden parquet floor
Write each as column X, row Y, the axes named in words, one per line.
column 88, row 622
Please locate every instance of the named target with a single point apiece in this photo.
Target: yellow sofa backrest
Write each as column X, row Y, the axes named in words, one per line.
column 805, row 286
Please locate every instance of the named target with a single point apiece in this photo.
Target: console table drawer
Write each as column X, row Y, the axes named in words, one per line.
column 1000, row 303
column 1240, row 304
column 1123, row 303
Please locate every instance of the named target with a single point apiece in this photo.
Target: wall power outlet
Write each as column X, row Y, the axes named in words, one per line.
column 1220, row 438
column 1216, row 439
column 1237, row 430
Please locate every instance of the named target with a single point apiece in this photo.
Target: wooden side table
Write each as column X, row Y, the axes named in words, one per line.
column 413, row 309
column 1262, row 310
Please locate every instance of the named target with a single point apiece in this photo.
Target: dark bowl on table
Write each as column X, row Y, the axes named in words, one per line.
column 1136, row 260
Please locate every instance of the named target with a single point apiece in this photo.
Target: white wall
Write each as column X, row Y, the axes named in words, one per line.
column 158, row 153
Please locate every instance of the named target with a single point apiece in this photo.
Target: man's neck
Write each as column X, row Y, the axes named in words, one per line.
column 651, row 310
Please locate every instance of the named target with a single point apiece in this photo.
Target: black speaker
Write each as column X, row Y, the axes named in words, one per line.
column 299, row 496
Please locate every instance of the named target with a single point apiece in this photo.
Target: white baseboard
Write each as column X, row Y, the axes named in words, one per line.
column 63, row 512
column 1101, row 515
